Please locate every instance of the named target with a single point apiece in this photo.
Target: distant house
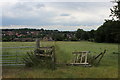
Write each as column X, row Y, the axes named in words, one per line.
column 35, row 32
column 47, row 39
column 10, row 33
column 24, row 39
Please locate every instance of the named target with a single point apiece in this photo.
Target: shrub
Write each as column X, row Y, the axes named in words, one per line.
column 33, row 60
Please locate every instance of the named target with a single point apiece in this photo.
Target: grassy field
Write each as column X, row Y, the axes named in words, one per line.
column 107, row 69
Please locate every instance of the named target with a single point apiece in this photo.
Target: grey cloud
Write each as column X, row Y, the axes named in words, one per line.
column 27, row 6
column 84, row 6
column 40, row 21
column 39, row 5
column 22, row 6
column 65, row 14
column 23, row 21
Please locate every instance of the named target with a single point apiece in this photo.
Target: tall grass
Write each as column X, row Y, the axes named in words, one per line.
column 108, row 67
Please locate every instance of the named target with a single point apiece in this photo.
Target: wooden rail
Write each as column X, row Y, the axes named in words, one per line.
column 18, row 47
column 11, row 59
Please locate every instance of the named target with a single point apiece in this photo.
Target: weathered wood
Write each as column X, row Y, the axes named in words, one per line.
column 79, row 63
column 54, row 57
column 102, row 53
column 80, row 57
column 44, row 55
column 52, row 54
column 45, row 48
column 6, row 60
column 17, row 47
column 98, row 57
column 119, row 47
column 101, row 56
column 11, row 55
column 12, row 65
column 37, row 43
column 9, row 62
column 80, row 52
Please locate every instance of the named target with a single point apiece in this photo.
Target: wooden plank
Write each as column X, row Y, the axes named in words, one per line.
column 37, row 43
column 12, row 65
column 43, row 48
column 43, row 55
column 98, row 55
column 17, row 47
column 80, row 52
column 81, row 58
column 10, row 55
column 25, row 47
column 101, row 56
column 85, row 65
column 53, row 57
column 6, row 60
column 79, row 63
column 9, row 62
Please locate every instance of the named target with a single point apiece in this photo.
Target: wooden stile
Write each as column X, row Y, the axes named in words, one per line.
column 80, row 58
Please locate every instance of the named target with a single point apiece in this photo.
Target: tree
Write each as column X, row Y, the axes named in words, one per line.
column 115, row 11
column 91, row 34
column 79, row 33
column 108, row 32
column 58, row 37
column 84, row 36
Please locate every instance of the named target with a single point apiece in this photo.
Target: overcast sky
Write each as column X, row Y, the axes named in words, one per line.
column 55, row 15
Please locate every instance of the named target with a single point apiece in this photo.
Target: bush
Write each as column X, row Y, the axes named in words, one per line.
column 32, row 60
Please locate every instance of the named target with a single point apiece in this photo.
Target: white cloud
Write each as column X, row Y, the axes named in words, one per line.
column 53, row 27
column 55, row 1
column 41, row 13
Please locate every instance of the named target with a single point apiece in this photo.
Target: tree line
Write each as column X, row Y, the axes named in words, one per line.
column 108, row 32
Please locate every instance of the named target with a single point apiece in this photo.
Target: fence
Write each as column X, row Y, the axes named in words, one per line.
column 11, row 60
column 15, row 57
column 12, row 56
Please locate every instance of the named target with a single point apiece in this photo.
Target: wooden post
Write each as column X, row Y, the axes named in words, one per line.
column 86, row 57
column 81, row 58
column 101, row 56
column 118, row 47
column 75, row 58
column 37, row 43
column 16, row 58
column 54, row 58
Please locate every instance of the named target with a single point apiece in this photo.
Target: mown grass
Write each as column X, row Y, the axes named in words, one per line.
column 107, row 69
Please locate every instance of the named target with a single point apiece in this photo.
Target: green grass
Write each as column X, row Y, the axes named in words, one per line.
column 107, row 69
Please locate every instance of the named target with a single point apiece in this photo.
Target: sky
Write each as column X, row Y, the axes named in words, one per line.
column 64, row 16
